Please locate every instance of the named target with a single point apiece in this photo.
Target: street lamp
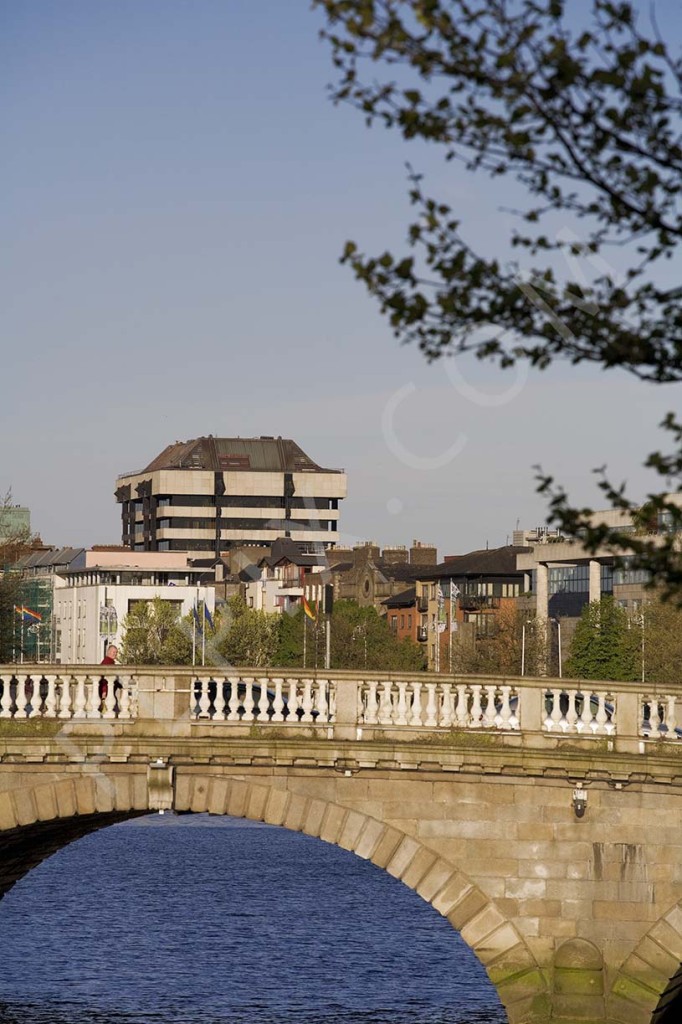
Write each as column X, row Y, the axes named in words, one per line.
column 558, row 634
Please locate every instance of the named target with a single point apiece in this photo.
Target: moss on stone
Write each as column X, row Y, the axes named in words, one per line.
column 30, row 726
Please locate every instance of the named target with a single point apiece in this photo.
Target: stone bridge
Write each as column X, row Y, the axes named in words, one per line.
column 540, row 817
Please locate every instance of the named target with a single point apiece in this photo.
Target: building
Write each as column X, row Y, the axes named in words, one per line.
column 369, row 576
column 15, row 522
column 213, row 494
column 466, row 592
column 91, row 601
column 74, row 600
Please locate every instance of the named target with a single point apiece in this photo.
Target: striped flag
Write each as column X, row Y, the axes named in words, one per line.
column 308, row 610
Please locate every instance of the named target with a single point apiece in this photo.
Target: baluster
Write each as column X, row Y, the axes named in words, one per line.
column 124, row 702
column 29, row 696
column 203, row 704
column 557, row 711
column 670, row 719
column 601, row 716
column 582, row 708
column 53, row 682
column 431, row 707
column 263, row 700
column 503, row 709
column 321, row 703
column 65, row 697
column 221, row 696
column 6, row 698
column 550, row 699
column 20, row 698
column 109, row 700
column 655, row 717
column 475, row 722
column 570, row 719
column 386, row 703
column 80, row 698
column 292, row 701
column 278, row 701
column 401, row 711
column 307, row 702
column 488, row 719
column 415, row 717
column 92, row 699
column 462, row 706
column 233, row 701
column 248, row 701
column 332, row 702
column 513, row 701
column 446, row 705
column 371, row 706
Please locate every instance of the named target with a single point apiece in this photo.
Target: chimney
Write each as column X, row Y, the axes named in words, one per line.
column 423, row 555
column 367, row 552
column 395, row 556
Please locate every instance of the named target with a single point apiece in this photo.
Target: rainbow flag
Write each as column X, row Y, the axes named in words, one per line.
column 27, row 614
column 308, row 610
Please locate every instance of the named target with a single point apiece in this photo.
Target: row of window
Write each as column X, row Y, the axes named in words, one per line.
column 279, row 525
column 238, row 501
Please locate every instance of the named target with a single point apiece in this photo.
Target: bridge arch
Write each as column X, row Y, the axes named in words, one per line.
column 650, row 980
column 55, row 813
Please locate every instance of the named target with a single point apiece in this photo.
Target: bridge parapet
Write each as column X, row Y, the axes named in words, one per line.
column 347, row 705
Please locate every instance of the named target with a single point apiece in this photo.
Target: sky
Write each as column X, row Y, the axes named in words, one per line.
column 177, row 191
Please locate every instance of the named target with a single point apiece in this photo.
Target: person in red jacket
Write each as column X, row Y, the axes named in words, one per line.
column 108, row 659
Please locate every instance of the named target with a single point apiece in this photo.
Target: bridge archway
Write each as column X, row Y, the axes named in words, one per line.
column 651, row 977
column 52, row 814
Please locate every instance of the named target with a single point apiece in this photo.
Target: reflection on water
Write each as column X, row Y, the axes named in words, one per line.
column 211, row 921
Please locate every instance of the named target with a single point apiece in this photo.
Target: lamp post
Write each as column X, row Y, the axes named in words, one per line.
column 557, row 622
column 523, row 649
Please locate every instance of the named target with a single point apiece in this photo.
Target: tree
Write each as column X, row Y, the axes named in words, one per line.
column 605, row 645
column 15, row 541
column 587, row 119
column 661, row 626
column 249, row 637
column 154, row 635
column 515, row 644
column 362, row 639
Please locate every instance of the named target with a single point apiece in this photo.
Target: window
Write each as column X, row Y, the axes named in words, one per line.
column 409, row 622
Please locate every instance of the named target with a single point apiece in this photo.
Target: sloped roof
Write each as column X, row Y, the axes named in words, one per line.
column 484, row 562
column 253, row 454
column 404, row 599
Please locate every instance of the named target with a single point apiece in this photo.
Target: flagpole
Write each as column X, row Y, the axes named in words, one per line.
column 194, row 637
column 203, row 632
column 452, row 604
column 305, row 638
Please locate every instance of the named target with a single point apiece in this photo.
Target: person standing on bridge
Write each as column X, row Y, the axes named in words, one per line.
column 108, row 659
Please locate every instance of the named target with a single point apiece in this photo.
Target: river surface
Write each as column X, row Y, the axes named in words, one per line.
column 198, row 920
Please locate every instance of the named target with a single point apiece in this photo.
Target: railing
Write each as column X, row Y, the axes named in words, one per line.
column 67, row 695
column 346, row 705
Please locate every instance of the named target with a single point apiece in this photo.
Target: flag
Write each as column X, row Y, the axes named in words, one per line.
column 208, row 617
column 308, row 610
column 197, row 620
column 27, row 614
column 454, row 590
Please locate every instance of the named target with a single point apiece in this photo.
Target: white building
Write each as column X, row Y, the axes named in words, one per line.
column 91, row 603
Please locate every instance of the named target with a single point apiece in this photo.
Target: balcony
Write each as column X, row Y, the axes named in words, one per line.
column 422, row 634
column 422, row 604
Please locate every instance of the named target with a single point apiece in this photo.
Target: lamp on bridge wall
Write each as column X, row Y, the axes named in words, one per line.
column 579, row 800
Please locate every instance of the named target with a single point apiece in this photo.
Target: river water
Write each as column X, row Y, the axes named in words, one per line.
column 198, row 920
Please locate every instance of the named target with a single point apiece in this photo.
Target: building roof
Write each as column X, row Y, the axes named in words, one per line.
column 220, row 454
column 284, row 549
column 485, row 562
column 405, row 599
column 52, row 559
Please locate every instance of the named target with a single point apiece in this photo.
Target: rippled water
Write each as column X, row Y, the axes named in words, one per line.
column 200, row 920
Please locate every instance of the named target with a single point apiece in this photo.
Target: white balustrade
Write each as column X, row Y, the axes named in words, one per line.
column 658, row 716
column 576, row 711
column 69, row 695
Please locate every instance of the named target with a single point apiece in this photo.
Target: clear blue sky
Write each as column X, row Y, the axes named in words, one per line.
column 177, row 188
